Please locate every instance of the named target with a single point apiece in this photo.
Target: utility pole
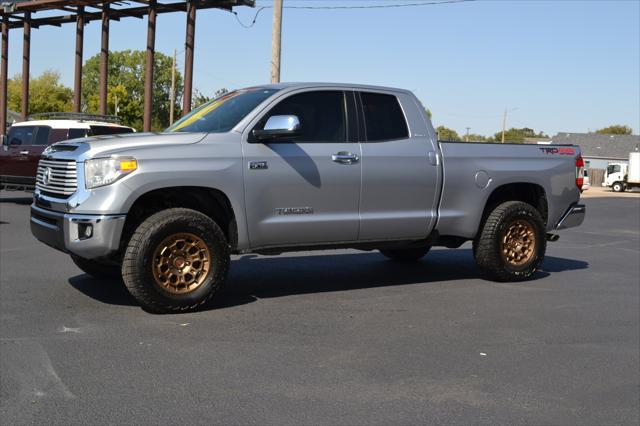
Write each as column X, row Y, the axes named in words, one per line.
column 504, row 123
column 172, row 95
column 276, row 39
column 466, row 138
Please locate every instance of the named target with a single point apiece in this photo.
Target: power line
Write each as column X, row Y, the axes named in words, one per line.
column 366, row 6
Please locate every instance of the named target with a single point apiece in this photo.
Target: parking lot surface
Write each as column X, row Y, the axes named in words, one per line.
column 340, row 337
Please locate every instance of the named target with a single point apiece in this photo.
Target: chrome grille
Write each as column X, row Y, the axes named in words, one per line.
column 57, row 177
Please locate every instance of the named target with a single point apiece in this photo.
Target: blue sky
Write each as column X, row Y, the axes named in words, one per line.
column 565, row 65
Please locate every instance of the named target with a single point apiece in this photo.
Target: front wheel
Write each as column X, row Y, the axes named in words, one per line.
column 406, row 254
column 175, row 261
column 511, row 244
column 617, row 187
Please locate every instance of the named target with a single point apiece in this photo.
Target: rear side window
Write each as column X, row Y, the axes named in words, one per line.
column 383, row 117
column 57, row 135
column 109, row 130
column 321, row 114
column 77, row 133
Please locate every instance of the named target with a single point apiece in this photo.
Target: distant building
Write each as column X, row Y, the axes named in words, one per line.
column 599, row 150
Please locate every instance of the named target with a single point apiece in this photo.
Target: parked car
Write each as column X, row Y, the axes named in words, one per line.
column 291, row 167
column 25, row 141
column 586, row 182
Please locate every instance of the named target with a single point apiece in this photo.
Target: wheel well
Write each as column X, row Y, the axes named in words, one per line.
column 209, row 201
column 529, row 193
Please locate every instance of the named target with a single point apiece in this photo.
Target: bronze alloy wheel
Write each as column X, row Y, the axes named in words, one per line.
column 518, row 243
column 181, row 263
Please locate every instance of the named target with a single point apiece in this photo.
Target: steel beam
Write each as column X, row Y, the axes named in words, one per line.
column 149, row 65
column 104, row 59
column 77, row 77
column 26, row 56
column 188, row 56
column 3, row 74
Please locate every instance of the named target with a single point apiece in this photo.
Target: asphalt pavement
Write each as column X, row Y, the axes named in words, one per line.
column 339, row 337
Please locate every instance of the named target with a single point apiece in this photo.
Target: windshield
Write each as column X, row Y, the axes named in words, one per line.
column 222, row 114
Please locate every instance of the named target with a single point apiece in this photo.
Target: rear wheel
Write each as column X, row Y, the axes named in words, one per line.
column 96, row 269
column 175, row 261
column 617, row 187
column 511, row 244
column 407, row 254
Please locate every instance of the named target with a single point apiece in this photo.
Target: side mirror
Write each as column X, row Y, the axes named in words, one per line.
column 279, row 126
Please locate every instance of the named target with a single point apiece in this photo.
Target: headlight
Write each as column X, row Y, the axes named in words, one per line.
column 105, row 171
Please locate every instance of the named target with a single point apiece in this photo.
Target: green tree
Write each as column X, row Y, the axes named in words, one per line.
column 46, row 93
column 473, row 137
column 446, row 134
column 514, row 135
column 616, row 129
column 126, row 87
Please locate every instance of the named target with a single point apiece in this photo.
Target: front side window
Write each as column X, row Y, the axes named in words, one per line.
column 321, row 114
column 613, row 168
column 28, row 135
column 222, row 114
column 383, row 117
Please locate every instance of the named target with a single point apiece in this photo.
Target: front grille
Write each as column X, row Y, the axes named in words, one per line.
column 62, row 179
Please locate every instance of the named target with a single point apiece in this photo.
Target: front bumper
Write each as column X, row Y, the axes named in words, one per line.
column 574, row 216
column 65, row 232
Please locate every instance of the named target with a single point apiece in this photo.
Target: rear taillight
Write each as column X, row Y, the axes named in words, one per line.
column 579, row 172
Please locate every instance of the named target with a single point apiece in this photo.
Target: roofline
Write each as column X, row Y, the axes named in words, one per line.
column 310, row 85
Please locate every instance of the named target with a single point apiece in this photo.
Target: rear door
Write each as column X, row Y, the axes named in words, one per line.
column 399, row 169
column 304, row 192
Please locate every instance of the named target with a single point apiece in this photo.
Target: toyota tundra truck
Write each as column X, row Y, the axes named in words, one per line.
column 289, row 167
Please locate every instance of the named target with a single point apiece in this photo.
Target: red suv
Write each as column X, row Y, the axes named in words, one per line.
column 25, row 141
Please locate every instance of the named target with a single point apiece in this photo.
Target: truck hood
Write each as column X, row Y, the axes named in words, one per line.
column 96, row 146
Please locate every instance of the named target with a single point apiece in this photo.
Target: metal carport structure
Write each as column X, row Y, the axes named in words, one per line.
column 22, row 14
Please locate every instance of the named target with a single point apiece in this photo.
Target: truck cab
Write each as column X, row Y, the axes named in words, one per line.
column 614, row 176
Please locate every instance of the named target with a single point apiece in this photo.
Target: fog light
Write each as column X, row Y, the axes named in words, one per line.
column 85, row 231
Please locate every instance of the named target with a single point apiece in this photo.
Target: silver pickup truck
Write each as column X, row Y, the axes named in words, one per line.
column 292, row 167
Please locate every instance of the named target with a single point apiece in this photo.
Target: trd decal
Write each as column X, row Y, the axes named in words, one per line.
column 561, row 151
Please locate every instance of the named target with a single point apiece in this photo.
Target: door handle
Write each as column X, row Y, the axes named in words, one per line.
column 24, row 152
column 344, row 157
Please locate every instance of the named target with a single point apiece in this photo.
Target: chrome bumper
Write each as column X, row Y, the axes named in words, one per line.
column 66, row 232
column 573, row 217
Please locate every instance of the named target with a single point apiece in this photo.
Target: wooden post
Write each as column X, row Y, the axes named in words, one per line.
column 26, row 53
column 3, row 73
column 188, row 56
column 104, row 59
column 276, row 39
column 77, row 79
column 149, row 64
column 172, row 96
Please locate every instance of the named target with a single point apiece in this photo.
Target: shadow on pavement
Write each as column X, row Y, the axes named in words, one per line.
column 17, row 200
column 252, row 278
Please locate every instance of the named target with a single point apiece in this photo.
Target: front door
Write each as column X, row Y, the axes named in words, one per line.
column 304, row 190
column 25, row 145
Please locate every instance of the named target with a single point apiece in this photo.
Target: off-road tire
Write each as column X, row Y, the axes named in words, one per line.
column 97, row 269
column 618, row 187
column 406, row 255
column 487, row 246
column 137, row 265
